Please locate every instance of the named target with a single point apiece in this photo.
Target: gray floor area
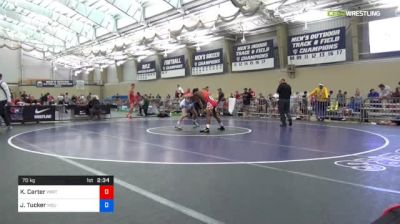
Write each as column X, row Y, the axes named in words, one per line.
column 296, row 192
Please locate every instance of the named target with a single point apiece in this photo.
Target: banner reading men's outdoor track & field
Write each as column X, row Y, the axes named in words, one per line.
column 317, row 48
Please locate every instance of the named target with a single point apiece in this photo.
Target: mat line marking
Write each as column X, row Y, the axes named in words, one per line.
column 157, row 198
column 206, row 163
column 150, row 130
column 313, row 176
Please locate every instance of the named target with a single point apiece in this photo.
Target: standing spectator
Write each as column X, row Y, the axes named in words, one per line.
column 146, row 104
column 285, row 91
column 304, row 103
column 66, row 98
column 253, row 93
column 237, row 95
column 5, row 99
column 358, row 101
column 89, row 97
column 221, row 100
column 262, row 104
column 340, row 98
column 246, row 96
column 321, row 95
column 139, row 102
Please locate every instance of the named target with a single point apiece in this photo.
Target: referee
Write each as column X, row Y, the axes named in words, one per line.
column 5, row 99
column 285, row 91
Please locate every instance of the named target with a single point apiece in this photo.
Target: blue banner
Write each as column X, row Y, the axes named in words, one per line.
column 253, row 56
column 208, row 62
column 146, row 70
column 324, row 46
column 173, row 67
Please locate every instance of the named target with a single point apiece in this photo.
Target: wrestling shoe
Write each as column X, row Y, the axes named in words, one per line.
column 196, row 125
column 178, row 128
column 222, row 128
column 205, row 130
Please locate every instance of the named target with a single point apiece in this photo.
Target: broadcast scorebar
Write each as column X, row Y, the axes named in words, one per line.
column 66, row 194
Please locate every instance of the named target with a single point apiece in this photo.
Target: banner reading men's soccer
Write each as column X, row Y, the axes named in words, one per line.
column 173, row 67
column 316, row 48
column 147, row 71
column 253, row 56
column 208, row 62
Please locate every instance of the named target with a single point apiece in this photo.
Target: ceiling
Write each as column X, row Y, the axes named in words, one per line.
column 88, row 34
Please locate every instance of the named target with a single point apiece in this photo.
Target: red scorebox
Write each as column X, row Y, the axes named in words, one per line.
column 106, row 192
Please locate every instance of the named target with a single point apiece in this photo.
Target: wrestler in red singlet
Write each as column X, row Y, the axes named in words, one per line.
column 132, row 98
column 211, row 109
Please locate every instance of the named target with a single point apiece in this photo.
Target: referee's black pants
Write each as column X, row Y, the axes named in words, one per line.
column 4, row 112
column 284, row 111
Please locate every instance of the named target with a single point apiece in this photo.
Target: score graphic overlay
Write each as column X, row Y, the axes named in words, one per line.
column 66, row 194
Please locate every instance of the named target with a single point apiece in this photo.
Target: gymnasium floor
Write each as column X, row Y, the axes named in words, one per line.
column 254, row 172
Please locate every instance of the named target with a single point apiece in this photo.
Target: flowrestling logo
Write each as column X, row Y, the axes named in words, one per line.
column 356, row 13
column 373, row 163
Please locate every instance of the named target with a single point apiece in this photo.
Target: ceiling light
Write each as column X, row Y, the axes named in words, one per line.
column 305, row 26
column 55, row 68
column 165, row 53
column 198, row 47
column 243, row 41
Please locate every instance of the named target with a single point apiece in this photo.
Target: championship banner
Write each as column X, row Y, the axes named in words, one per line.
column 54, row 83
column 80, row 84
column 317, row 48
column 208, row 62
column 173, row 67
column 253, row 56
column 146, row 71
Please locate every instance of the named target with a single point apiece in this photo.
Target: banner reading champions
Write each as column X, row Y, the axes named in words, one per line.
column 316, row 48
column 253, row 56
column 208, row 62
column 173, row 67
column 54, row 83
column 147, row 71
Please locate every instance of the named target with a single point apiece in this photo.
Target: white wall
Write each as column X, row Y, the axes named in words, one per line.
column 112, row 76
column 10, row 65
column 129, row 71
column 33, row 68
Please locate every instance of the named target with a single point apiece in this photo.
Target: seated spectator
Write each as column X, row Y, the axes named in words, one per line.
column 396, row 95
column 384, row 92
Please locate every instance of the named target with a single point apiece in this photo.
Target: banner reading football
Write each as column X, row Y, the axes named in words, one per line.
column 253, row 56
column 208, row 62
column 316, row 48
column 173, row 67
column 147, row 71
